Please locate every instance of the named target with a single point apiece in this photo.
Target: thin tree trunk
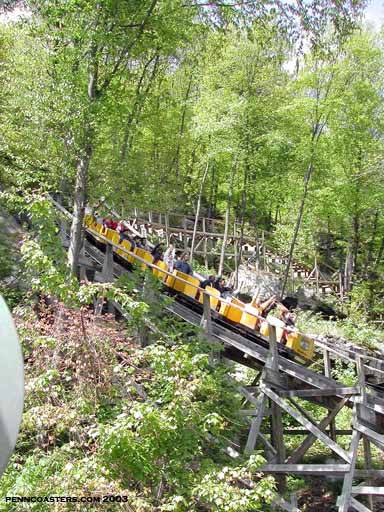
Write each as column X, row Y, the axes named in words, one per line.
column 355, row 242
column 298, row 224
column 227, row 214
column 182, row 125
column 379, row 254
column 242, row 218
column 134, row 116
column 317, row 130
column 372, row 240
column 79, row 202
column 202, row 183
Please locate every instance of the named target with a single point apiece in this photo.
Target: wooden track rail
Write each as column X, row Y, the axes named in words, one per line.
column 284, row 387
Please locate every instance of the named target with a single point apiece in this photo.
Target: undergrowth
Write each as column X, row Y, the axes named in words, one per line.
column 104, row 416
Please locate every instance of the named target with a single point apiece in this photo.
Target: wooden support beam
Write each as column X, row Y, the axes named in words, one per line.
column 306, row 393
column 269, row 448
column 277, row 430
column 255, row 426
column 328, row 373
column 107, row 272
column 247, row 395
column 359, row 507
column 345, row 497
column 307, row 424
column 302, row 411
column 300, row 451
column 284, row 505
column 303, row 432
column 253, row 412
column 378, row 439
column 370, row 473
column 206, row 319
column 368, row 465
column 307, row 469
column 367, row 490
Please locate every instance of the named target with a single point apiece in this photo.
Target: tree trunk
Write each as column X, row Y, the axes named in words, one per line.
column 298, row 224
column 182, row 125
column 226, row 226
column 138, row 104
column 202, row 183
column 355, row 242
column 79, row 202
column 371, row 243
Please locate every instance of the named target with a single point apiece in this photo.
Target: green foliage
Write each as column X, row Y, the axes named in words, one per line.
column 356, row 331
column 105, row 417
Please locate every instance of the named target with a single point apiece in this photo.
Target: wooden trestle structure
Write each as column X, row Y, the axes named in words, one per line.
column 281, row 387
column 208, row 235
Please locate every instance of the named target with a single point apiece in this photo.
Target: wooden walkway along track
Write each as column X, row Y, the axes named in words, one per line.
column 282, row 387
column 209, row 236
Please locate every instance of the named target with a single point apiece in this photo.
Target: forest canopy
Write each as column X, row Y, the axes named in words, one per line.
column 280, row 102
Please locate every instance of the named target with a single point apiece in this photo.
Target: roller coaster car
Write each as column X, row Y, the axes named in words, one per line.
column 302, row 346
column 231, row 313
column 243, row 318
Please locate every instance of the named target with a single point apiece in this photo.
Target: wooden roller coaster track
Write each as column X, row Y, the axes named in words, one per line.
column 209, row 235
column 281, row 388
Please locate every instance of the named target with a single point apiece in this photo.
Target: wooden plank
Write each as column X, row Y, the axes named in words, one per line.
column 255, row 426
column 328, row 373
column 359, row 507
column 267, row 444
column 367, row 490
column 336, row 391
column 284, row 505
column 253, row 412
column 369, row 473
column 345, row 497
column 206, row 319
column 307, row 424
column 304, row 432
column 107, row 272
column 297, row 454
column 252, row 399
column 307, row 469
column 379, row 438
column 302, row 411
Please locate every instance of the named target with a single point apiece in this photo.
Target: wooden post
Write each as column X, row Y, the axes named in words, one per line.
column 235, row 255
column 345, row 498
column 167, row 228
column 328, row 373
column 185, row 238
column 277, row 431
column 368, row 465
column 205, row 244
column 148, row 298
column 273, row 360
column 265, row 266
column 206, row 319
column 107, row 272
column 363, row 413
